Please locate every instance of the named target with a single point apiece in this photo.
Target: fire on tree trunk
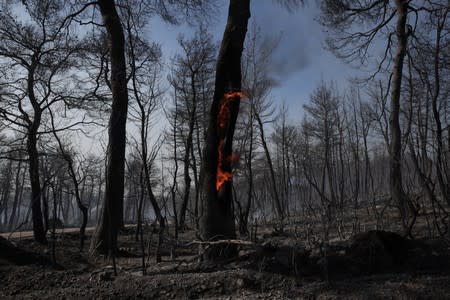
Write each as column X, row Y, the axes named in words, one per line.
column 217, row 220
column 224, row 173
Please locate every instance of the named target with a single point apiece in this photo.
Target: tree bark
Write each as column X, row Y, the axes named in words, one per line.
column 441, row 166
column 112, row 214
column 173, row 187
column 217, row 221
column 273, row 181
column 6, row 186
column 187, row 156
column 81, row 206
column 33, row 168
column 396, row 188
column 243, row 223
column 17, row 192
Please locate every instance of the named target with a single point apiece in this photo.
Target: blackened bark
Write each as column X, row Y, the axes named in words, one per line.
column 144, row 117
column 112, row 214
column 217, row 220
column 144, row 153
column 17, row 192
column 83, row 208
column 6, row 186
column 440, row 163
column 33, row 168
column 44, row 198
column 33, row 156
column 187, row 154
column 396, row 188
column 173, row 187
column 275, row 193
column 243, row 217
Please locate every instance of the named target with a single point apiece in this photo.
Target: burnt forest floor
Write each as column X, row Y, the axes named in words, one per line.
column 276, row 265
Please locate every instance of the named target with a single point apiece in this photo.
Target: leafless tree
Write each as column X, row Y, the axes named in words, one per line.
column 258, row 85
column 145, row 92
column 354, row 28
column 35, row 53
column 191, row 78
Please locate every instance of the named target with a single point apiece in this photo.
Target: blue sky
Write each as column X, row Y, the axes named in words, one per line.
column 300, row 61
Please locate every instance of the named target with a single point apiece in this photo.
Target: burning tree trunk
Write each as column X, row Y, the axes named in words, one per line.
column 217, row 220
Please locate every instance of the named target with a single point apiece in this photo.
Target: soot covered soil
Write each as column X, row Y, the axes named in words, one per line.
column 370, row 265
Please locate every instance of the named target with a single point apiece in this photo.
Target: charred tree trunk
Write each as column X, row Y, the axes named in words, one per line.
column 140, row 208
column 173, row 188
column 17, row 192
column 33, row 168
column 45, row 208
column 144, row 116
column 217, row 220
column 187, row 154
column 156, row 209
column 441, row 165
column 112, row 214
column 273, row 181
column 33, row 156
column 99, row 196
column 196, row 186
column 145, row 164
column 71, row 169
column 244, row 214
column 5, row 195
column 395, row 153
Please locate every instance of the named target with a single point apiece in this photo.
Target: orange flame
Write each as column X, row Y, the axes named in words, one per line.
column 224, row 115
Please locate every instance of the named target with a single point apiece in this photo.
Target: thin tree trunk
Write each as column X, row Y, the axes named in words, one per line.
column 186, row 160
column 53, row 231
column 45, row 191
column 91, row 195
column 5, row 195
column 17, row 192
column 139, row 229
column 140, row 205
column 99, row 196
column 196, row 186
column 81, row 206
column 19, row 208
column 271, row 169
column 243, row 227
column 173, row 188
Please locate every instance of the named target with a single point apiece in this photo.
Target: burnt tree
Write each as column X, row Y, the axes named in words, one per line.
column 395, row 147
column 217, row 221
column 112, row 214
